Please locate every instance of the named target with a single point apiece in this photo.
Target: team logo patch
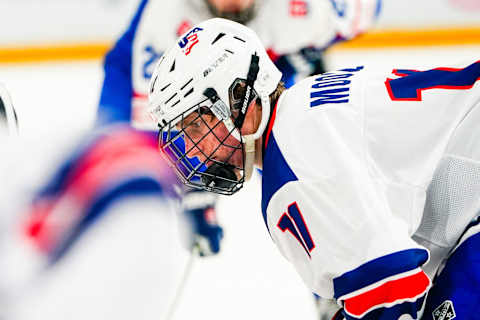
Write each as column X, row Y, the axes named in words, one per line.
column 189, row 40
column 445, row 311
column 184, row 26
column 298, row 8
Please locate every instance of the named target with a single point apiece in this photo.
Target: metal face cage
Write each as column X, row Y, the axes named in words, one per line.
column 198, row 168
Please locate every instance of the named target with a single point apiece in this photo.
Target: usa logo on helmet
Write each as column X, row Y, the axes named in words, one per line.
column 189, row 40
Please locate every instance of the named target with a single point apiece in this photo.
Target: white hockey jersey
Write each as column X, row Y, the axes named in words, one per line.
column 348, row 159
column 286, row 27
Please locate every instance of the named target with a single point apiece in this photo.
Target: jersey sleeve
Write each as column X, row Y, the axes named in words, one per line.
column 353, row 17
column 314, row 26
column 117, row 89
column 298, row 65
column 332, row 221
column 112, row 165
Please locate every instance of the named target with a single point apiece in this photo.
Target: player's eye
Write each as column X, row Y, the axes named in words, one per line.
column 204, row 111
column 196, row 123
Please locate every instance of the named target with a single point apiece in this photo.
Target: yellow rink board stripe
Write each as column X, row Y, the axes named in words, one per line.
column 414, row 38
column 56, row 52
column 371, row 40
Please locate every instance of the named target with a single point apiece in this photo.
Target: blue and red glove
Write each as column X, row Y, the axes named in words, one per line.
column 199, row 208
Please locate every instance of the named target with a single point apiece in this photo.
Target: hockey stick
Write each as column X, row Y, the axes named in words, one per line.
column 181, row 287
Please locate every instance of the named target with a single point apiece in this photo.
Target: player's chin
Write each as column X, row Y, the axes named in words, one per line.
column 238, row 173
column 233, row 165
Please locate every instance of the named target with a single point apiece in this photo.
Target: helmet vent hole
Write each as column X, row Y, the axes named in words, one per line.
column 186, row 84
column 188, row 93
column 231, row 52
column 173, row 66
column 163, row 89
column 220, row 35
column 239, row 39
column 173, row 105
column 170, row 98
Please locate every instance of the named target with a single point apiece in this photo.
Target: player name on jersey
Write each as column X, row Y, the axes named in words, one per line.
column 332, row 87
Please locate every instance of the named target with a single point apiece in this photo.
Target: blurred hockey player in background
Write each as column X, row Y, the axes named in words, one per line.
column 8, row 116
column 295, row 32
column 370, row 180
column 102, row 238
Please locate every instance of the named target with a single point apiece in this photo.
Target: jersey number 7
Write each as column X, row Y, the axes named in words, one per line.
column 293, row 221
column 411, row 84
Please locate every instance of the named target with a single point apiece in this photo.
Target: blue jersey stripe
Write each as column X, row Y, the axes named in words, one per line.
column 276, row 173
column 392, row 313
column 378, row 8
column 379, row 269
column 58, row 182
column 458, row 282
column 117, row 90
column 133, row 187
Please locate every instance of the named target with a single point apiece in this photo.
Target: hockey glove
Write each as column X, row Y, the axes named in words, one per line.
column 199, row 208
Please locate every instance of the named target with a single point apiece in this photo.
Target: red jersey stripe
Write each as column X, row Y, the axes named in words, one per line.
column 407, row 288
column 270, row 124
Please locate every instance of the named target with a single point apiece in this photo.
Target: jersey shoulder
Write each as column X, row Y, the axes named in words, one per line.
column 304, row 23
column 319, row 113
column 164, row 21
column 330, row 91
column 159, row 21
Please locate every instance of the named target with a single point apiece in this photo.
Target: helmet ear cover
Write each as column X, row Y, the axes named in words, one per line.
column 219, row 108
column 222, row 174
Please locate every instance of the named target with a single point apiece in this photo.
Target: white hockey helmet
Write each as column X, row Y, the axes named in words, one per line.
column 8, row 116
column 201, row 71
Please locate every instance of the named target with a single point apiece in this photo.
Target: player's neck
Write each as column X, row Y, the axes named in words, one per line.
column 259, row 153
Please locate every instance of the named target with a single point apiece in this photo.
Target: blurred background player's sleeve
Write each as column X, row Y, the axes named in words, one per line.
column 114, row 164
column 103, row 230
column 326, row 23
column 117, row 90
column 352, row 18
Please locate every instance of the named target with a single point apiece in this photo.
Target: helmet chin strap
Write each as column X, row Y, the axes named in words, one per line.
column 223, row 113
column 249, row 143
column 249, row 140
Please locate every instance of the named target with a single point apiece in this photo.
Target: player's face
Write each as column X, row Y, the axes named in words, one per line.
column 231, row 5
column 208, row 139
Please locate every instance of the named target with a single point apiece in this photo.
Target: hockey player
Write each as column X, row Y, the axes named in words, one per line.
column 365, row 176
column 282, row 25
column 8, row 116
